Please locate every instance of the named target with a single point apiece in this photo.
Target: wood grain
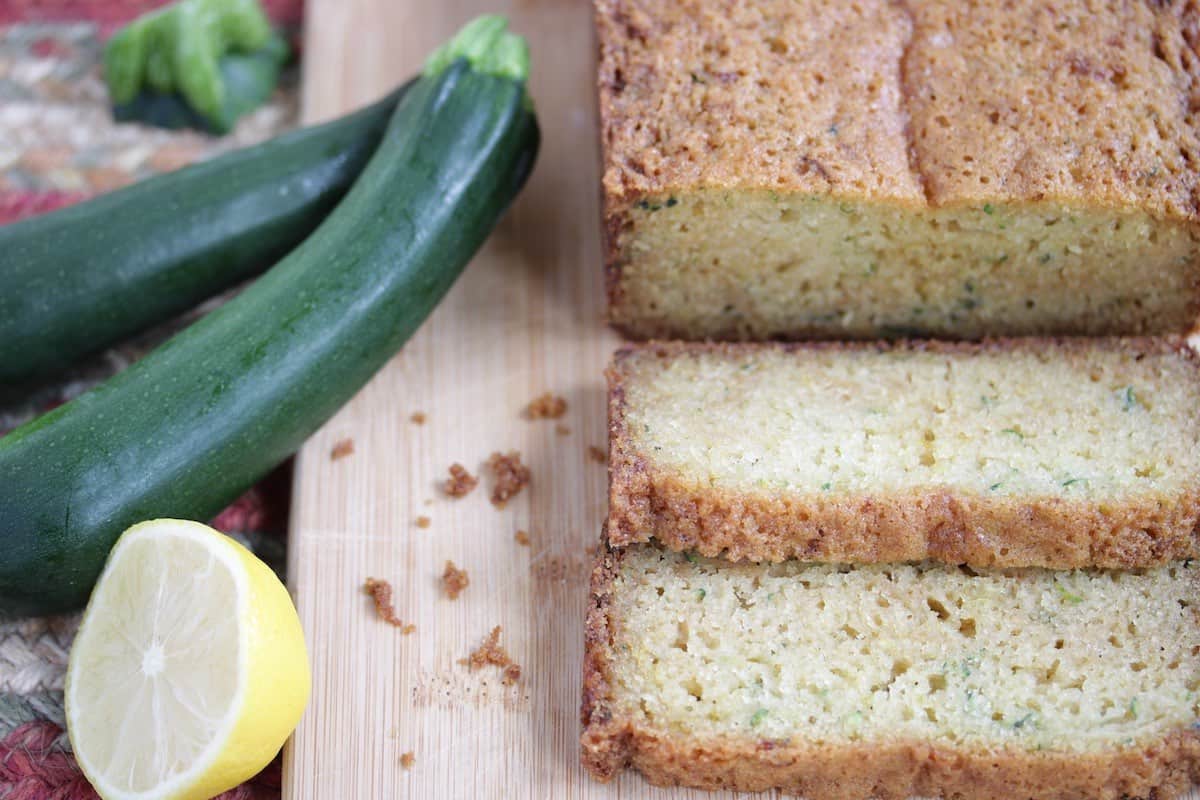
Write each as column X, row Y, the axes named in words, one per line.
column 526, row 318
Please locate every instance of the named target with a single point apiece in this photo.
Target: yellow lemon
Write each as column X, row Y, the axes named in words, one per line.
column 189, row 670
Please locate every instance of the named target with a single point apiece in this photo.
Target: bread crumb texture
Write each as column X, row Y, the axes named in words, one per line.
column 1091, row 445
column 511, row 476
column 418, row 418
column 381, row 593
column 790, row 168
column 492, row 653
column 406, row 760
column 460, row 483
column 767, row 663
column 454, row 580
column 547, row 406
column 522, row 538
column 342, row 449
column 424, row 522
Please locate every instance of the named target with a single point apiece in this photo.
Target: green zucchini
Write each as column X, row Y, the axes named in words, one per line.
column 248, row 79
column 81, row 278
column 184, row 431
column 178, row 50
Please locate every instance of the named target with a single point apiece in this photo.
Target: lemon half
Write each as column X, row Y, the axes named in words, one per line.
column 189, row 669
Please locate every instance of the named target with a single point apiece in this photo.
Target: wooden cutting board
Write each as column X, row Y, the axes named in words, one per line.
column 527, row 317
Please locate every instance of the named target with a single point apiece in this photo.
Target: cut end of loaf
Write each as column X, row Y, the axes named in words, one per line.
column 785, row 668
column 740, row 265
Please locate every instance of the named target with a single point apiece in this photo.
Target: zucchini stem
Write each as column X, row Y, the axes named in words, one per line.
column 488, row 46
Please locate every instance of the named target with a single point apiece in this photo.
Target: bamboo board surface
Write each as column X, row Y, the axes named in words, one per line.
column 527, row 317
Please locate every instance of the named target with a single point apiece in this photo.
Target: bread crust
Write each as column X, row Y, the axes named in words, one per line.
column 614, row 739
column 858, row 112
column 799, row 96
column 874, row 527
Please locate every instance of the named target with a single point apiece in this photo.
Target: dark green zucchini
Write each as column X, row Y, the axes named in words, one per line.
column 81, row 278
column 184, row 431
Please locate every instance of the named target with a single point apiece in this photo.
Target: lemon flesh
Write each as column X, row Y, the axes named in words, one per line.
column 189, row 670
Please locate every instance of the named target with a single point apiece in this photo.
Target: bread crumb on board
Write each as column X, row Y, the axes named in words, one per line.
column 492, row 653
column 381, row 593
column 522, row 538
column 460, row 483
column 548, row 406
column 423, row 521
column 341, row 449
column 598, row 454
column 406, row 760
column 562, row 430
column 454, row 580
column 418, row 418
column 511, row 477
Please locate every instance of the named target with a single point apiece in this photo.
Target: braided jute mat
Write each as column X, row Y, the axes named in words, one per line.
column 58, row 145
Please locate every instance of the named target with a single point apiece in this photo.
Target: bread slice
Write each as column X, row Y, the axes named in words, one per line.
column 1053, row 453
column 799, row 168
column 891, row 681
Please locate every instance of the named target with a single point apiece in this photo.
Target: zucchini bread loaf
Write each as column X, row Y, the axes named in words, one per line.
column 840, row 683
column 798, row 168
column 1024, row 452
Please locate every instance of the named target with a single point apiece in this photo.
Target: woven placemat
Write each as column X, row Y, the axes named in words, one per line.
column 58, row 145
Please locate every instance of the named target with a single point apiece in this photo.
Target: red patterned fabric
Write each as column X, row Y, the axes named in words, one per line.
column 35, row 758
column 111, row 14
column 18, row 205
column 33, row 766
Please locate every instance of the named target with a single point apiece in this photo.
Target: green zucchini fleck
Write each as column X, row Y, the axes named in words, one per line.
column 1067, row 595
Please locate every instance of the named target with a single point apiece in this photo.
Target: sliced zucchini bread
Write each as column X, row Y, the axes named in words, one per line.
column 798, row 168
column 891, row 681
column 1025, row 452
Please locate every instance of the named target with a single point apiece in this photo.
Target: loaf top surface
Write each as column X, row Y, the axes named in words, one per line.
column 926, row 103
column 1099, row 419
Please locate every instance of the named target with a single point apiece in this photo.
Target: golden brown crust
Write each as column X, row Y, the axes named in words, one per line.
column 1049, row 102
column 793, row 97
column 948, row 526
column 1061, row 93
column 613, row 740
column 606, row 741
column 920, row 105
